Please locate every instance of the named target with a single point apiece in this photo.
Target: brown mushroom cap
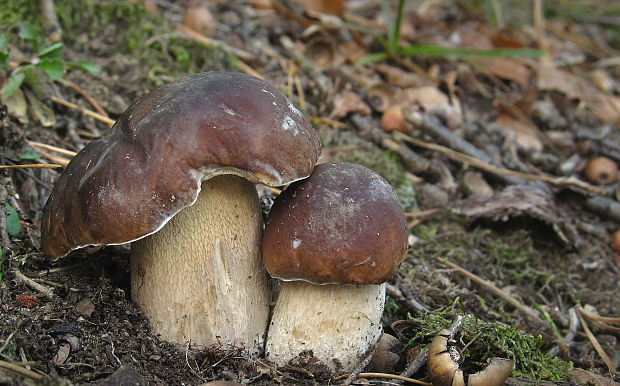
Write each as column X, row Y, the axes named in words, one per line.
column 343, row 224
column 129, row 183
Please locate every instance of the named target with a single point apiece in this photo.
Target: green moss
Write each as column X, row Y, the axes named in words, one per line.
column 490, row 339
column 107, row 28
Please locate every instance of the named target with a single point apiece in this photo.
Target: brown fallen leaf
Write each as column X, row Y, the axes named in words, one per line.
column 504, row 68
column 63, row 353
column 348, row 102
column 602, row 106
column 583, row 377
column 535, row 201
column 432, row 101
column 85, row 307
column 526, row 135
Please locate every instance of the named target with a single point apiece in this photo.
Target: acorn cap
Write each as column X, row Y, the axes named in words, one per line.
column 343, row 224
column 150, row 165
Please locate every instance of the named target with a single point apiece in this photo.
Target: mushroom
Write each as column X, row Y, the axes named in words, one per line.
column 333, row 239
column 175, row 177
column 444, row 362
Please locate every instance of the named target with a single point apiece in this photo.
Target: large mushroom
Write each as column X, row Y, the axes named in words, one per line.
column 333, row 239
column 175, row 177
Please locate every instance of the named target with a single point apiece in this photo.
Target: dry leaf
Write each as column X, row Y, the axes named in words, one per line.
column 85, row 307
column 583, row 377
column 42, row 113
column 432, row 101
column 602, row 106
column 522, row 200
column 526, row 135
column 17, row 106
column 398, row 77
column 348, row 102
column 63, row 353
column 504, row 68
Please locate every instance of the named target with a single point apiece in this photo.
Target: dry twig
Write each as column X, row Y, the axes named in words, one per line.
column 385, row 376
column 475, row 162
column 90, row 113
column 360, row 366
column 31, row 166
column 40, row 288
column 514, row 302
column 594, row 341
column 22, row 371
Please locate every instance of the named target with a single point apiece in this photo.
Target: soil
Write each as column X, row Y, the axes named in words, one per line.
column 79, row 324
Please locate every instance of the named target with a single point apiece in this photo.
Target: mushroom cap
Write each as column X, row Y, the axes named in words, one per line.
column 343, row 224
column 150, row 165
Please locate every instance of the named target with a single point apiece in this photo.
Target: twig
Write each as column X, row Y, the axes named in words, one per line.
column 514, row 302
column 32, row 176
column 90, row 113
column 87, row 97
column 62, row 161
column 45, row 146
column 400, row 295
column 416, row 365
column 361, row 365
column 31, row 166
column 594, row 341
column 601, row 321
column 19, row 370
column 40, row 288
column 239, row 53
column 467, row 159
column 113, row 354
column 8, row 338
column 422, row 213
column 323, row 83
column 386, row 376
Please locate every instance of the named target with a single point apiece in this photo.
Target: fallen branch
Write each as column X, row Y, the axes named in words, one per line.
column 44, row 290
column 19, row 370
column 416, row 365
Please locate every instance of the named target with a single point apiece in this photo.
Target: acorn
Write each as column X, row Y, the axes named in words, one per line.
column 200, row 19
column 601, row 171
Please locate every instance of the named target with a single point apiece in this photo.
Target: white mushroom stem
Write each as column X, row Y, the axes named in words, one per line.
column 338, row 322
column 201, row 278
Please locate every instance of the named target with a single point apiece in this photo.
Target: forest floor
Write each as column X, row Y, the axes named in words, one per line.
column 483, row 119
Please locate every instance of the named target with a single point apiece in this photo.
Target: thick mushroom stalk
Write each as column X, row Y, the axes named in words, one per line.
column 334, row 239
column 213, row 288
column 338, row 322
column 170, row 177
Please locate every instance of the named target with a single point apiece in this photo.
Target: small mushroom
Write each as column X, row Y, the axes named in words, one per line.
column 444, row 362
column 601, row 171
column 175, row 177
column 333, row 239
